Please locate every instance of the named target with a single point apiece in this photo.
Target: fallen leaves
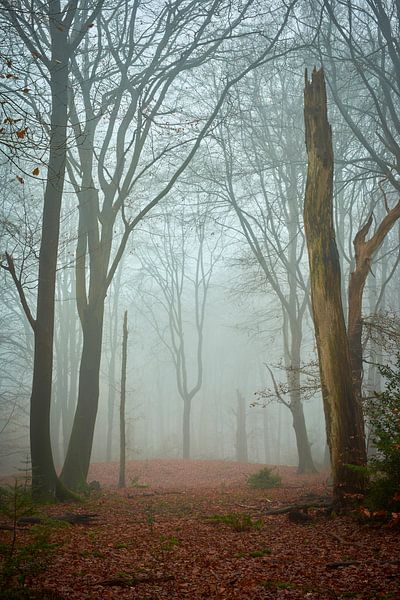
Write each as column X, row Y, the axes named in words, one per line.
column 160, row 542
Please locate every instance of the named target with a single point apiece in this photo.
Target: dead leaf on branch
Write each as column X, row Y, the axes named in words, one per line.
column 22, row 133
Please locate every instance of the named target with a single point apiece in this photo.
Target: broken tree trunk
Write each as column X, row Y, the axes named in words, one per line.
column 342, row 414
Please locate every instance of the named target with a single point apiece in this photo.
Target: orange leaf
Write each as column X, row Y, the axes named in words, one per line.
column 21, row 133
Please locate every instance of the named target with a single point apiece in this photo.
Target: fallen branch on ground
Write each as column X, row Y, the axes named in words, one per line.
column 317, row 503
column 72, row 518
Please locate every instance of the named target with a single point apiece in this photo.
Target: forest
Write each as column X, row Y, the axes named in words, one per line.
column 200, row 316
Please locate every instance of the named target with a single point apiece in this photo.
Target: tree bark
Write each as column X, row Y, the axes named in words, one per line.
column 122, row 430
column 343, row 416
column 76, row 465
column 90, row 305
column 44, row 477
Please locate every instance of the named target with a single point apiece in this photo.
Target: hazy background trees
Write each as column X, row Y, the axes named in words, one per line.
column 196, row 109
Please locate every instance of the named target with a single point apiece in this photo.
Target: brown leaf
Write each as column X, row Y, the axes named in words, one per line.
column 21, row 133
column 35, row 171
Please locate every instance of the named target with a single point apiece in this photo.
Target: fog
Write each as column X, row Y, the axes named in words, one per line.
column 180, row 182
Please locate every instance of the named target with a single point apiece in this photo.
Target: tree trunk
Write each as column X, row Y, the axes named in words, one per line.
column 241, row 433
column 113, row 319
column 344, row 429
column 91, row 314
column 266, row 436
column 76, row 466
column 122, row 441
column 364, row 251
column 187, row 405
column 306, row 463
column 44, row 478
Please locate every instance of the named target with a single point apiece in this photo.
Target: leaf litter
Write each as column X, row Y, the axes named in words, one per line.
column 195, row 530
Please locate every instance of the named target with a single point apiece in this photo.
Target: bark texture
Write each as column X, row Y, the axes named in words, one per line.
column 44, row 478
column 342, row 411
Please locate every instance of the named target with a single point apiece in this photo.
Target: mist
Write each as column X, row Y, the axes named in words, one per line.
column 153, row 161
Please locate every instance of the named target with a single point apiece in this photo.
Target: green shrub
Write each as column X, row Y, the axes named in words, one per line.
column 238, row 521
column 264, row 478
column 383, row 412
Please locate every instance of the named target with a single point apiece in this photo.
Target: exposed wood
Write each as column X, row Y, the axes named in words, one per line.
column 342, row 412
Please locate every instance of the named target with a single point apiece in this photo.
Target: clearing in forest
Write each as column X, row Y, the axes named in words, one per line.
column 195, row 530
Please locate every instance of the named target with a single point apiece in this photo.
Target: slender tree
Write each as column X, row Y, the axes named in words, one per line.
column 122, row 426
column 241, row 432
column 52, row 45
column 181, row 269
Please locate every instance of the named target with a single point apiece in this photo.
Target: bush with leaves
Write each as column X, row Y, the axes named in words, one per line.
column 264, row 478
column 383, row 412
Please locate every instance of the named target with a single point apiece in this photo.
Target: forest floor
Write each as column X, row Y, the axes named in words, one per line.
column 195, row 530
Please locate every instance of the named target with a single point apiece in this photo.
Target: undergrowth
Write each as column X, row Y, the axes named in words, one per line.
column 264, row 479
column 383, row 412
column 23, row 553
column 237, row 521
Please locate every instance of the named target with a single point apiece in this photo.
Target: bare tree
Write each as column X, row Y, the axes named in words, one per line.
column 263, row 182
column 53, row 45
column 122, row 427
column 180, row 263
column 357, row 46
column 145, row 143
